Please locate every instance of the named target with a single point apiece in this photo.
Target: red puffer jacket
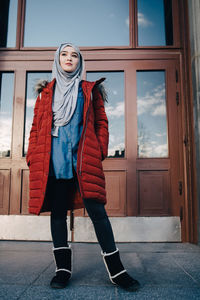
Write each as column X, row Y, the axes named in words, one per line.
column 92, row 149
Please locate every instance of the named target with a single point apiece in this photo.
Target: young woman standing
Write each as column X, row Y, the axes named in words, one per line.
column 68, row 141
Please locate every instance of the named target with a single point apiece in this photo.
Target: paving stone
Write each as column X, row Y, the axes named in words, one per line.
column 159, row 292
column 161, row 269
column 11, row 292
column 165, row 271
column 22, row 267
column 190, row 266
column 75, row 293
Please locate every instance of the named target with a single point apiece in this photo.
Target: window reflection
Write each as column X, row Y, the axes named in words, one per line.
column 114, row 85
column 6, row 104
column 152, row 116
column 155, row 23
column 84, row 23
column 8, row 23
column 31, row 81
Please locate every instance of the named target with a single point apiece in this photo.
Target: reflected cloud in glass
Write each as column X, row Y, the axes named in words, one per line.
column 84, row 23
column 6, row 107
column 154, row 22
column 114, row 85
column 31, row 80
column 152, row 115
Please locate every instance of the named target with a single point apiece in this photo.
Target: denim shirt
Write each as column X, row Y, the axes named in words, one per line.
column 64, row 148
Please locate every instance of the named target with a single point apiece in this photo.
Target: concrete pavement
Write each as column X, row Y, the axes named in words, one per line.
column 165, row 271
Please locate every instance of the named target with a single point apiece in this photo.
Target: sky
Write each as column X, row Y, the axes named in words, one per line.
column 87, row 23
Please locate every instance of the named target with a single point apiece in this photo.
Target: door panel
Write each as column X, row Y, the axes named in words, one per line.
column 4, row 191
column 154, row 193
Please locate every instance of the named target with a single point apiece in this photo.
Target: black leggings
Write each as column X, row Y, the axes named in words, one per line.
column 95, row 210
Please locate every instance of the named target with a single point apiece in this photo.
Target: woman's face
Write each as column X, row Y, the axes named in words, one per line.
column 69, row 59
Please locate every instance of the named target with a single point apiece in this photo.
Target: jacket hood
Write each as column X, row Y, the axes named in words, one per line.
column 42, row 83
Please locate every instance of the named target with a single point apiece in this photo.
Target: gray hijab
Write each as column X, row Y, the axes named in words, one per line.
column 66, row 89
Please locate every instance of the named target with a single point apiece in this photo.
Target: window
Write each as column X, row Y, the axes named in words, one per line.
column 114, row 85
column 84, row 23
column 154, row 22
column 152, row 116
column 6, row 105
column 8, row 23
column 31, row 81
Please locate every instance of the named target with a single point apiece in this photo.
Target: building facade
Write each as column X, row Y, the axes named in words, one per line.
column 148, row 53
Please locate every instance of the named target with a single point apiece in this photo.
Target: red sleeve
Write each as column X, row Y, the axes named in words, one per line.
column 33, row 133
column 100, row 122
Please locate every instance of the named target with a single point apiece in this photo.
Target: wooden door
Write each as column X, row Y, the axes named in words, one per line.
column 146, row 178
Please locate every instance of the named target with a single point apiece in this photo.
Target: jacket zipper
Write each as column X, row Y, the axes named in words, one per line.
column 83, row 141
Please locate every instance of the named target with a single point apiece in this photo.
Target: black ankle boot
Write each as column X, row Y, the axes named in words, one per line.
column 63, row 260
column 117, row 273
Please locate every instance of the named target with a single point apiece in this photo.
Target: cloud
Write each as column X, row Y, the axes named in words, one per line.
column 127, row 22
column 153, row 150
column 160, row 134
column 27, row 133
column 111, row 138
column 30, row 102
column 153, row 102
column 159, row 110
column 161, row 150
column 115, row 111
column 143, row 21
column 119, row 147
column 5, row 133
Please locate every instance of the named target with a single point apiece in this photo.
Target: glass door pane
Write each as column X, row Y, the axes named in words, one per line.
column 155, row 26
column 114, row 85
column 6, row 108
column 31, row 80
column 8, row 23
column 152, row 114
column 85, row 23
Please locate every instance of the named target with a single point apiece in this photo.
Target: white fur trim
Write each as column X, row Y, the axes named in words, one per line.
column 108, row 270
column 107, row 254
column 114, row 276
column 69, row 247
column 63, row 270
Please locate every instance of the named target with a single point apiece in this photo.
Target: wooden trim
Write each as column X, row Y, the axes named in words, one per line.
column 23, row 9
column 19, row 22
column 111, row 55
column 191, row 212
column 131, row 24
column 18, row 114
column 136, row 24
column 176, row 23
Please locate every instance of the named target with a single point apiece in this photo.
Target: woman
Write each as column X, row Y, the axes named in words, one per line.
column 68, row 141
